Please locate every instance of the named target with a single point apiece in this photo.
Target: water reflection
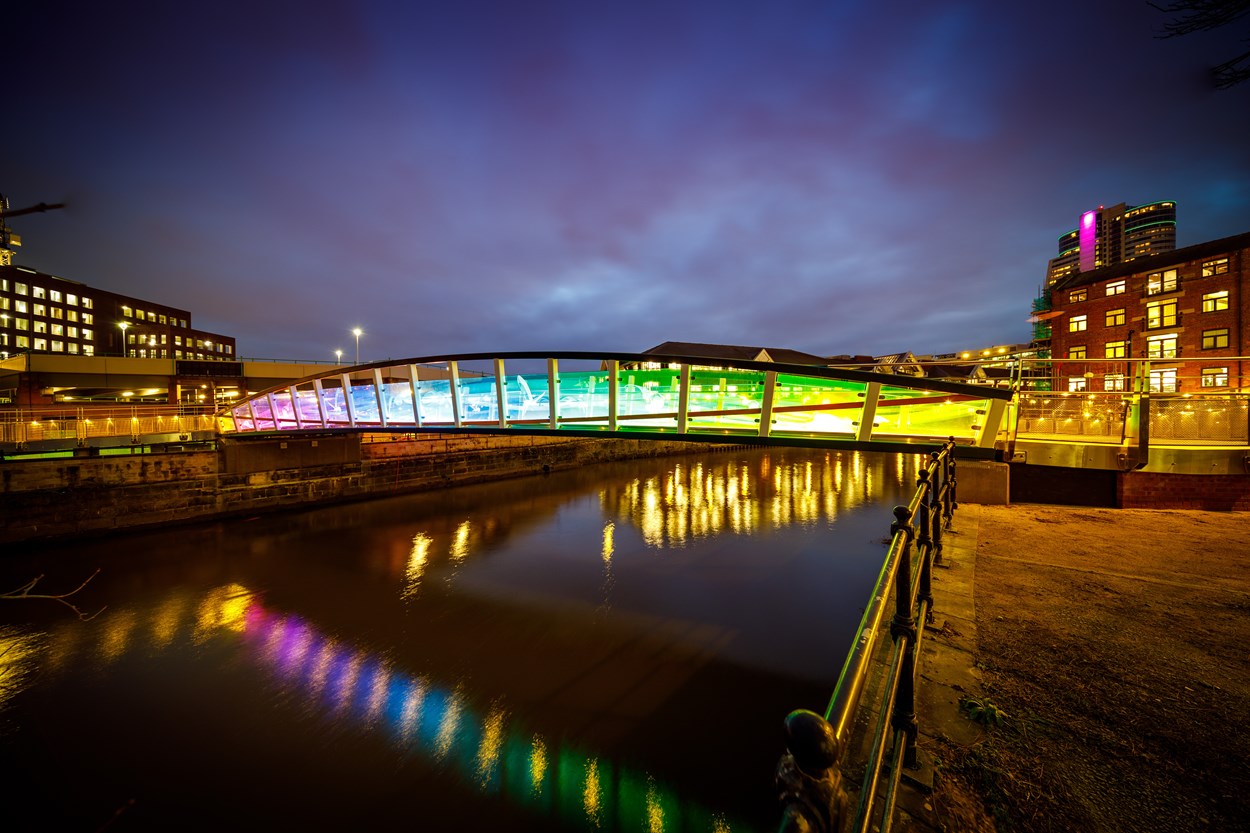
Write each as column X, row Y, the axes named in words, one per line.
column 663, row 583
column 688, row 501
column 323, row 675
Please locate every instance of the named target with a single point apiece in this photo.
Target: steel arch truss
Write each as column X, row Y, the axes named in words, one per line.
column 632, row 395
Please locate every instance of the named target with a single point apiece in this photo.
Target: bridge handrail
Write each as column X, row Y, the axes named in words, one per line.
column 809, row 774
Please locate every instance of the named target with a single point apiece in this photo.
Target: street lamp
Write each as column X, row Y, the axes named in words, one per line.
column 357, row 332
column 338, row 356
column 124, row 325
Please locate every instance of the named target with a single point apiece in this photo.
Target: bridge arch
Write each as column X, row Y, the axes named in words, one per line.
column 630, row 395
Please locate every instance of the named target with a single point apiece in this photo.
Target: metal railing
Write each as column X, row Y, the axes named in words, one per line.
column 79, row 426
column 809, row 775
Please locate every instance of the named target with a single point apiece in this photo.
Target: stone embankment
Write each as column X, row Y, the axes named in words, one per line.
column 45, row 499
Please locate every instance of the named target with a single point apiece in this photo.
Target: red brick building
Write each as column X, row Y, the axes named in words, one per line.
column 1185, row 311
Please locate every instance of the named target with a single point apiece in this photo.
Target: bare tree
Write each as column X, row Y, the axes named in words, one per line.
column 25, row 592
column 1189, row 16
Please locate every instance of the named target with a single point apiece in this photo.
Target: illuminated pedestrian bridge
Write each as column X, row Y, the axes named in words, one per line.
column 630, row 395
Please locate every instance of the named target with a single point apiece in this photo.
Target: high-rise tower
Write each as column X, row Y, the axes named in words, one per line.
column 1108, row 236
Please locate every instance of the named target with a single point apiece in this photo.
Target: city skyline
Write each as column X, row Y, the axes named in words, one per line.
column 831, row 180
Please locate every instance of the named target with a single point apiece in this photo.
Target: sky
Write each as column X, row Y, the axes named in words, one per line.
column 522, row 175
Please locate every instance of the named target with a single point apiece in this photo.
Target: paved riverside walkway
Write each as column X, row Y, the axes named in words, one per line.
column 1114, row 642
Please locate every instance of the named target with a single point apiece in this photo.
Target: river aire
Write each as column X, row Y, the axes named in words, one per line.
column 607, row 649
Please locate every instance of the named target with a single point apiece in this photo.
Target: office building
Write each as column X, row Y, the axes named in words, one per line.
column 42, row 313
column 1115, row 235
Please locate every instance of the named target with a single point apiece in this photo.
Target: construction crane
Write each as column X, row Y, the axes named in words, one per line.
column 9, row 240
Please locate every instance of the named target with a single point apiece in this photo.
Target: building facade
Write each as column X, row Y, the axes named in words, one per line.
column 42, row 313
column 1110, row 236
column 1184, row 313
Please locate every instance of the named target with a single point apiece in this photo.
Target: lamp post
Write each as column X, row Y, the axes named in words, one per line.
column 338, row 356
column 124, row 326
column 357, row 332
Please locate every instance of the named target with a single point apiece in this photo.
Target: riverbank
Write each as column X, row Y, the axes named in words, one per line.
column 1095, row 676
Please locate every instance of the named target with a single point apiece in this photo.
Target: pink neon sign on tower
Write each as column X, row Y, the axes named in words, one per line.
column 1089, row 239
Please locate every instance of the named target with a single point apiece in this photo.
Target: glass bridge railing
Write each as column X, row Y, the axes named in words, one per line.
column 626, row 394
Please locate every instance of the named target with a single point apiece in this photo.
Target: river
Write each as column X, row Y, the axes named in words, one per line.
column 612, row 648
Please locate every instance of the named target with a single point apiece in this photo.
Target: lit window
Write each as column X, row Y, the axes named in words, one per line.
column 38, row 292
column 1077, row 324
column 1077, row 352
column 1160, row 314
column 1115, row 317
column 55, row 296
column 23, row 341
column 1158, row 282
column 87, row 303
column 1215, row 377
column 41, row 326
column 1215, row 301
column 56, row 312
column 1163, row 380
column 127, row 312
column 1116, row 349
column 1211, row 339
column 1116, row 287
column 1113, row 381
column 22, row 323
column 1215, row 267
column 88, row 350
column 88, row 335
column 1161, row 347
column 163, row 319
column 229, row 349
column 19, row 288
column 38, row 309
column 58, row 330
column 58, row 346
column 71, row 315
column 152, row 316
column 1077, row 295
column 72, row 332
column 71, row 299
column 20, row 306
column 72, row 347
column 4, row 303
column 1076, row 383
column 88, row 318
column 40, row 344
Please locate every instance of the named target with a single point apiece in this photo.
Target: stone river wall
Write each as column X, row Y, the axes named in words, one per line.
column 57, row 498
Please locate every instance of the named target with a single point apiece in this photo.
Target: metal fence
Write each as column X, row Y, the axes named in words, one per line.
column 23, row 427
column 1184, row 420
column 809, row 775
column 1175, row 419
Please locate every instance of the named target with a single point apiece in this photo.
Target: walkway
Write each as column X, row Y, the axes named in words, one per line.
column 1114, row 642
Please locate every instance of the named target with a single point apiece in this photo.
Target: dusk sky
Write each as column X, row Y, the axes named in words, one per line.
column 832, row 177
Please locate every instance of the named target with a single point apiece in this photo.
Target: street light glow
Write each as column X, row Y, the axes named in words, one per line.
column 357, row 332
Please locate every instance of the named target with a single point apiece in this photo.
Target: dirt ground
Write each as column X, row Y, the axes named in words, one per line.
column 1114, row 647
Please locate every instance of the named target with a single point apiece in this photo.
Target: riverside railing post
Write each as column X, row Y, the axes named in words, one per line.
column 904, row 627
column 808, row 777
column 933, row 502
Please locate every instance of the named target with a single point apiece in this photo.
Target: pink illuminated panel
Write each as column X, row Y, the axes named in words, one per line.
column 1089, row 239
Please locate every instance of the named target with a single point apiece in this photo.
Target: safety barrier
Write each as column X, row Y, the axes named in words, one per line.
column 809, row 775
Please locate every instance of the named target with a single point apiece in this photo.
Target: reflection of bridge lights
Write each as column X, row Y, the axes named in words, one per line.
column 116, row 637
column 417, row 559
column 460, row 542
column 609, row 546
column 491, row 745
column 592, row 793
column 538, row 765
column 448, row 725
